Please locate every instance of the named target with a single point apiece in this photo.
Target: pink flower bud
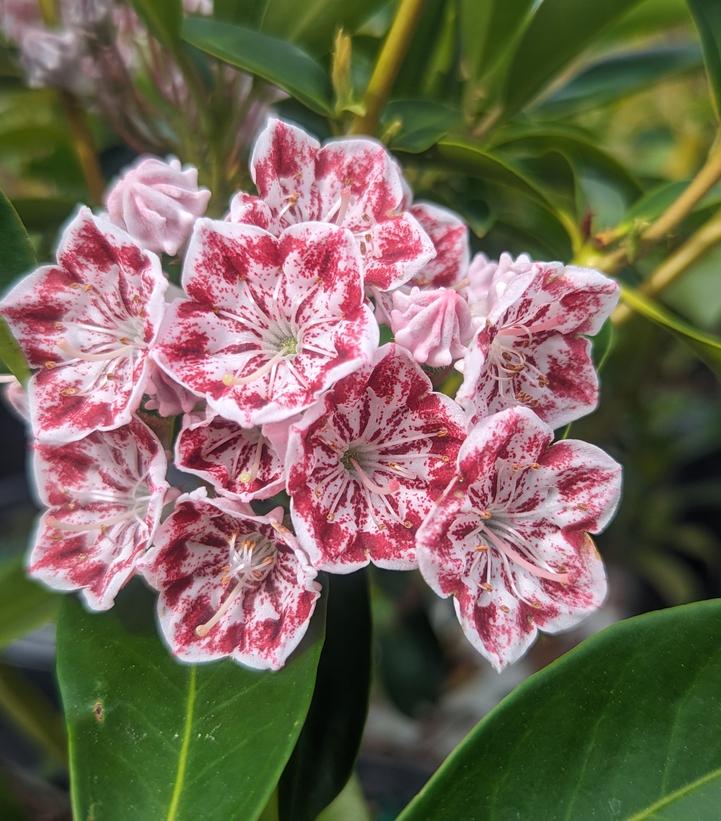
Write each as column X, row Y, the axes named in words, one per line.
column 17, row 17
column 166, row 396
column 54, row 59
column 157, row 203
column 483, row 271
column 435, row 326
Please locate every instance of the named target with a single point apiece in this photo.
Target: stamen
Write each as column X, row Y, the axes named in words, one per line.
column 366, row 481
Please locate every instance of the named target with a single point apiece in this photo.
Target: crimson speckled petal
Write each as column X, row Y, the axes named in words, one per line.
column 239, row 462
column 449, row 235
column 231, row 584
column 352, row 183
column 105, row 494
column 509, row 537
column 88, row 324
column 271, row 323
column 530, row 349
column 365, row 465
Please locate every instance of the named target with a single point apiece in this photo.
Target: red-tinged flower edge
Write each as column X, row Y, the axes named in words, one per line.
column 268, row 368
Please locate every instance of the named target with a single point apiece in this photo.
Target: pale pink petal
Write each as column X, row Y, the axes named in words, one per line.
column 166, row 396
column 434, row 325
column 157, row 202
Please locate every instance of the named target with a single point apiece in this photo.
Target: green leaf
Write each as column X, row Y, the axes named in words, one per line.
column 313, row 22
column 559, row 31
column 707, row 16
column 24, row 604
column 270, row 58
column 17, row 258
column 323, row 759
column 602, row 345
column 151, row 738
column 163, row 19
column 488, row 30
column 417, row 125
column 624, row 726
column 619, row 76
column 706, row 346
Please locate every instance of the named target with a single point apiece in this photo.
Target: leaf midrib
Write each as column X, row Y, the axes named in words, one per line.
column 184, row 747
column 674, row 796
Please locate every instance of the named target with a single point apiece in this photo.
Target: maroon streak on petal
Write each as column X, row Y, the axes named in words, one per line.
column 231, row 584
column 366, row 464
column 449, row 235
column 509, row 538
column 105, row 494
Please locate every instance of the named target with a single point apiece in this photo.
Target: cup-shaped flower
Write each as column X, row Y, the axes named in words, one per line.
column 533, row 348
column 231, row 583
column 353, row 183
column 87, row 324
column 366, row 464
column 271, row 322
column 449, row 235
column 238, row 462
column 105, row 494
column 509, row 537
column 434, row 325
column 157, row 202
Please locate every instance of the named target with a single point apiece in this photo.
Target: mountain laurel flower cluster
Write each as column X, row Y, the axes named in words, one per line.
column 301, row 443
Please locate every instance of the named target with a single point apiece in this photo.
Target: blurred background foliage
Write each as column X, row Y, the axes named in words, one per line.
column 561, row 129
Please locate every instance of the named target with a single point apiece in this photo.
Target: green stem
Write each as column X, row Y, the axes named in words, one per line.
column 83, row 144
column 393, row 51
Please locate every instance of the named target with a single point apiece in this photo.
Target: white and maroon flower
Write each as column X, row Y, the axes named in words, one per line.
column 105, row 494
column 87, row 324
column 238, row 462
column 449, row 235
column 353, row 183
column 509, row 538
column 434, row 325
column 157, row 202
column 366, row 464
column 533, row 348
column 271, row 323
column 231, row 583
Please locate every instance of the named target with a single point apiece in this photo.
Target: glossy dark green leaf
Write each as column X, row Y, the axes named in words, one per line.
column 488, row 30
column 17, row 259
column 151, row 738
column 559, row 31
column 619, row 76
column 417, row 125
column 627, row 725
column 275, row 60
column 163, row 18
column 706, row 346
column 323, row 759
column 24, row 604
column 707, row 16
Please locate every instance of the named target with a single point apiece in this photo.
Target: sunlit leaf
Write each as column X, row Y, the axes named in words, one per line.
column 417, row 125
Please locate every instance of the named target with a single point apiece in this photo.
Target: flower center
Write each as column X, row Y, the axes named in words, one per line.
column 250, row 560
column 508, row 360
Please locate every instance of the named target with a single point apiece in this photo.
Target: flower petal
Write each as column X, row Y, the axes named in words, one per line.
column 394, row 251
column 449, row 235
